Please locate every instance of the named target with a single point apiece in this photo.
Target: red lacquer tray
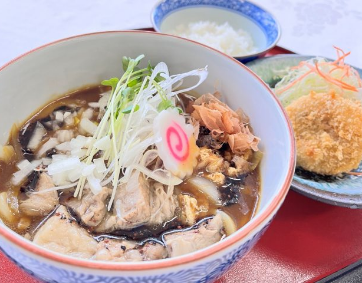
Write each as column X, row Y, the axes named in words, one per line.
column 307, row 241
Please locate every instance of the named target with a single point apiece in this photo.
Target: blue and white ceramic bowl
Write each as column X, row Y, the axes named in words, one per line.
column 71, row 63
column 260, row 24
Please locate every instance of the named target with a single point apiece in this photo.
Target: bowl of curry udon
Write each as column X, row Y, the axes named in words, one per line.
column 137, row 156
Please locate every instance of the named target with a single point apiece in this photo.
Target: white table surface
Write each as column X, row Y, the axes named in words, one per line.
column 308, row 27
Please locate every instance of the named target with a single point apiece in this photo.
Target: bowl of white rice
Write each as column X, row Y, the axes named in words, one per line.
column 240, row 29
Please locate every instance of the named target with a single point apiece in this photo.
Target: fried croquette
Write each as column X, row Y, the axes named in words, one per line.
column 328, row 132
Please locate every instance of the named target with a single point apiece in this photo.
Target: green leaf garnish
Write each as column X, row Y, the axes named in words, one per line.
column 132, row 83
column 164, row 104
column 111, row 82
column 128, row 109
column 126, row 92
column 125, row 62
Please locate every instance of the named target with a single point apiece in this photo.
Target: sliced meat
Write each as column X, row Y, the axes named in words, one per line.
column 163, row 205
column 63, row 235
column 153, row 251
column 124, row 250
column 134, row 200
column 185, row 242
column 133, row 255
column 91, row 209
column 113, row 250
column 40, row 203
column 139, row 203
column 131, row 208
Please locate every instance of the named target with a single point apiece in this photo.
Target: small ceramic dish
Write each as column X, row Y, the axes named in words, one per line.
column 342, row 191
column 260, row 24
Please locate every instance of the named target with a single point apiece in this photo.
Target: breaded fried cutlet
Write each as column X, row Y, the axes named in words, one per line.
column 328, row 132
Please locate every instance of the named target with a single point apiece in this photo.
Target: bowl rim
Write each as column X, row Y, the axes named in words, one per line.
column 257, row 54
column 273, row 206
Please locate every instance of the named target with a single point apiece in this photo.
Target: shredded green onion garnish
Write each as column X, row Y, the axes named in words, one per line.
column 136, row 99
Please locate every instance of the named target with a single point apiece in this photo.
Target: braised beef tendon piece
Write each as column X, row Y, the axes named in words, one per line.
column 138, row 203
column 184, row 242
column 131, row 208
column 61, row 234
column 113, row 250
column 40, row 202
column 90, row 209
column 125, row 250
column 163, row 204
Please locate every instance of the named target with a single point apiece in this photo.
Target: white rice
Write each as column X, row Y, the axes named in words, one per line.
column 222, row 37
